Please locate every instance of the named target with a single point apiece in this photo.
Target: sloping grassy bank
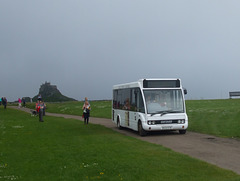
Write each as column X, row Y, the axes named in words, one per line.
column 66, row 149
column 216, row 117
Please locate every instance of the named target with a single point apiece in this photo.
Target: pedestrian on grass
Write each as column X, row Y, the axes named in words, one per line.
column 19, row 103
column 41, row 110
column 24, row 102
column 37, row 106
column 86, row 110
column 4, row 102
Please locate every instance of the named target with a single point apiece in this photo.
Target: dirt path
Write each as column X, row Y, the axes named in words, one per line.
column 222, row 152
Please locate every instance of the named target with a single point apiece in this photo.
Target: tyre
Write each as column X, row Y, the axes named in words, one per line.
column 141, row 131
column 182, row 131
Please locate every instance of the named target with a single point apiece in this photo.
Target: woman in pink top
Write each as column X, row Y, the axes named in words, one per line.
column 19, row 103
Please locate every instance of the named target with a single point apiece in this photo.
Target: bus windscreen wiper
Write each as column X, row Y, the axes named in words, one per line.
column 165, row 112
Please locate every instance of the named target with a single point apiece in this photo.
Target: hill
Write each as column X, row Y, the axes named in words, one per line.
column 50, row 93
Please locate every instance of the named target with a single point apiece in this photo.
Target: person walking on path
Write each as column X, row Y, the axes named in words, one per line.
column 19, row 103
column 37, row 106
column 4, row 102
column 40, row 107
column 86, row 110
column 24, row 102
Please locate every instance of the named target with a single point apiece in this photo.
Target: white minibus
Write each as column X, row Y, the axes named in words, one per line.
column 150, row 105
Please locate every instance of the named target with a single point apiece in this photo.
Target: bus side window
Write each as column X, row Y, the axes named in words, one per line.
column 127, row 105
column 115, row 99
column 139, row 100
column 133, row 100
column 141, row 105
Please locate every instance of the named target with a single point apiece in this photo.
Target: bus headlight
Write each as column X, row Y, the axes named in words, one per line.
column 181, row 121
column 151, row 122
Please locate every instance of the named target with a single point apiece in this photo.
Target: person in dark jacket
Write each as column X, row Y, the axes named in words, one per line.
column 86, row 110
column 40, row 107
column 4, row 102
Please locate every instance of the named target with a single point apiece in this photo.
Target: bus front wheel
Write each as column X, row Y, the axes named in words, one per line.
column 182, row 131
column 141, row 131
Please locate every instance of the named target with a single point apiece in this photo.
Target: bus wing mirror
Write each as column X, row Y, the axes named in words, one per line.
column 185, row 91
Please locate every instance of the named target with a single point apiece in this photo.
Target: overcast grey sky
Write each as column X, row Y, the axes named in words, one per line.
column 85, row 47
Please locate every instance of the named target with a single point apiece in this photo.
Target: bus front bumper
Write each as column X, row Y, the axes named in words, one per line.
column 165, row 127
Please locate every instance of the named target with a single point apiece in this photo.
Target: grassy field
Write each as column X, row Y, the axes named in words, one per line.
column 100, row 109
column 216, row 117
column 66, row 149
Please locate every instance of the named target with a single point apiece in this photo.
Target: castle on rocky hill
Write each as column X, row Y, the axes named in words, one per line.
column 50, row 93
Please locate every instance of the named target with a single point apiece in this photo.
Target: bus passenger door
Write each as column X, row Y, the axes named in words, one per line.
column 127, row 118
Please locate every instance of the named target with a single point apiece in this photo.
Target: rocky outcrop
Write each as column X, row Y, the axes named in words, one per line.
column 50, row 93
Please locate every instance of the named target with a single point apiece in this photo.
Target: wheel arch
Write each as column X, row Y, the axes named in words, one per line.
column 119, row 125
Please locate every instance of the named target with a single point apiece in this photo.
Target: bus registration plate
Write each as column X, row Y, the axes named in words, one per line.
column 167, row 127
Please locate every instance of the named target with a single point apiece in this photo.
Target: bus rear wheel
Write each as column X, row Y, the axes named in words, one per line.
column 118, row 124
column 141, row 131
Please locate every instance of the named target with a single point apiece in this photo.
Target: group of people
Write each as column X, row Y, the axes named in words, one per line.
column 21, row 101
column 3, row 101
column 41, row 107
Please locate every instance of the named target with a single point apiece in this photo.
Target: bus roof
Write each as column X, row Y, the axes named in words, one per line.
column 151, row 83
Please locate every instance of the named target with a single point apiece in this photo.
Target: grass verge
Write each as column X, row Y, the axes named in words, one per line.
column 216, row 117
column 66, row 149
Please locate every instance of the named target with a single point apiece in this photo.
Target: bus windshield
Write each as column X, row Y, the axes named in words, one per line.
column 159, row 101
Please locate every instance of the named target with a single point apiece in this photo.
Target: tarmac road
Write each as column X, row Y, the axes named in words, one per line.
column 223, row 152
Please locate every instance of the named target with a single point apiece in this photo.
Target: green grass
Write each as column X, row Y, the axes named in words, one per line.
column 100, row 109
column 215, row 117
column 66, row 149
